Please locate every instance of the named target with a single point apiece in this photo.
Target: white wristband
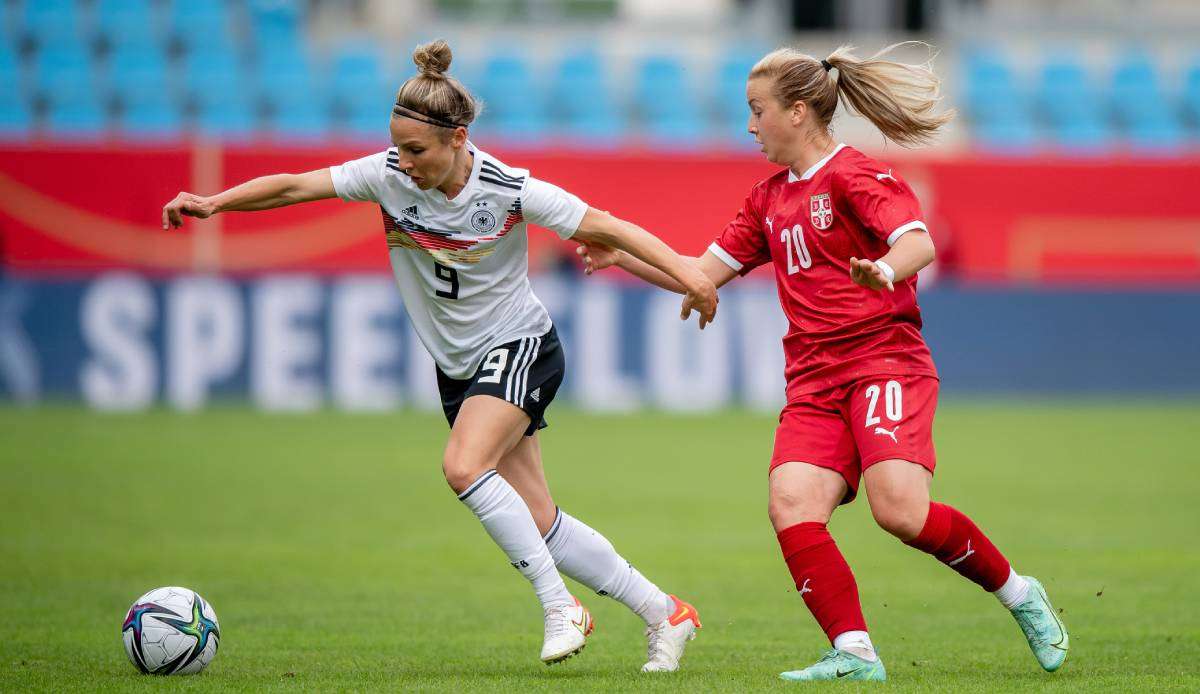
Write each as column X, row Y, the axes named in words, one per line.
column 888, row 272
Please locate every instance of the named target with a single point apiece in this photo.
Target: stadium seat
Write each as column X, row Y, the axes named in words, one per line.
column 1072, row 107
column 276, row 23
column 16, row 118
column 300, row 118
column 514, row 106
column 50, row 22
column 581, row 101
column 138, row 73
column 64, row 68
column 1191, row 90
column 667, row 103
column 219, row 90
column 123, row 22
column 1143, row 108
column 10, row 65
column 284, row 77
column 358, row 83
column 199, row 24
column 733, row 114
column 996, row 104
column 139, row 80
column 76, row 116
column 227, row 116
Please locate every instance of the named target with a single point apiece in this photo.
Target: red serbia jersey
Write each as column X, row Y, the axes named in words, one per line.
column 847, row 204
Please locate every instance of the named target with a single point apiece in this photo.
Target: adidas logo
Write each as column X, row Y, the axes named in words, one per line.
column 536, row 395
column 411, row 212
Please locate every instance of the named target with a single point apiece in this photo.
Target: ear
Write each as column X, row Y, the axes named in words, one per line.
column 458, row 138
column 798, row 112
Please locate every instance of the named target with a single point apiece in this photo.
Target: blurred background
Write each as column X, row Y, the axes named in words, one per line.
column 1063, row 200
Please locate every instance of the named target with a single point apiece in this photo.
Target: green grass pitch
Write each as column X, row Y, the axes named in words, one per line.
column 337, row 559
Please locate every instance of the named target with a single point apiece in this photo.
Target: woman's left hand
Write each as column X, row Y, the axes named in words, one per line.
column 866, row 273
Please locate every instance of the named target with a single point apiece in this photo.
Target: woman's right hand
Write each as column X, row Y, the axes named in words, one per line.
column 701, row 296
column 186, row 205
column 597, row 256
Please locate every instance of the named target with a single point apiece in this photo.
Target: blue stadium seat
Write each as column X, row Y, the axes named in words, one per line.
column 10, row 65
column 64, row 69
column 732, row 112
column 581, row 100
column 123, row 22
column 1191, row 90
column 227, row 116
column 514, row 105
column 16, row 118
column 1142, row 106
column 668, row 104
column 139, row 79
column 996, row 104
column 288, row 77
column 360, row 91
column 275, row 23
column 198, row 24
column 1072, row 107
column 219, row 89
column 138, row 73
column 76, row 116
column 50, row 22
column 300, row 117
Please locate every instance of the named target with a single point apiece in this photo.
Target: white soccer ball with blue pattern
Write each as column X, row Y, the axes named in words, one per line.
column 171, row 631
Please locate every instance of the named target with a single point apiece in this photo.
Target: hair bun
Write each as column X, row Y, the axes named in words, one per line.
column 433, row 58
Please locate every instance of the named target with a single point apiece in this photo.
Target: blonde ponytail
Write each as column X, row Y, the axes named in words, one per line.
column 898, row 98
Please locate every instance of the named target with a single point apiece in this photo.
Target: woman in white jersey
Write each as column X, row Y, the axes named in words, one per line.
column 455, row 223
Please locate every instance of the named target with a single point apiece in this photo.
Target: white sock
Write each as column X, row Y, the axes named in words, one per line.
column 1014, row 591
column 856, row 642
column 588, row 557
column 507, row 519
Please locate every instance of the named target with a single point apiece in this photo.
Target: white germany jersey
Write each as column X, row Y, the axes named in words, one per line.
column 462, row 265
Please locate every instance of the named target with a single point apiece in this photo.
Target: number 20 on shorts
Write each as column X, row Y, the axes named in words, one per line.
column 893, row 402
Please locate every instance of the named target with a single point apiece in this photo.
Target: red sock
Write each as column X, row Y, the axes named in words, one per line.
column 956, row 542
column 823, row 578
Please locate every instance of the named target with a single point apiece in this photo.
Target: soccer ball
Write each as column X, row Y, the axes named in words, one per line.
column 171, row 631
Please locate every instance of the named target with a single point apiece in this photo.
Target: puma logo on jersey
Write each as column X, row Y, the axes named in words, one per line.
column 884, row 432
column 963, row 558
column 411, row 211
column 885, row 176
column 536, row 395
column 804, row 588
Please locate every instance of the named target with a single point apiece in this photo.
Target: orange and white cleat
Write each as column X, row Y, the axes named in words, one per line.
column 666, row 640
column 567, row 628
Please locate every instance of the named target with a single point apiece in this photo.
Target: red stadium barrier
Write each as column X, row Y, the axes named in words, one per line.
column 80, row 210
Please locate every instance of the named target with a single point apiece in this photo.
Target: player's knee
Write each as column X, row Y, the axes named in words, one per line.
column 787, row 507
column 462, row 469
column 901, row 517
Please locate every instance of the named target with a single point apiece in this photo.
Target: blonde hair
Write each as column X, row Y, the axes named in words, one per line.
column 433, row 93
column 898, row 98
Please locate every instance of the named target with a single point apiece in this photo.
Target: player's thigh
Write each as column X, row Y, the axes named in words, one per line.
column 485, row 429
column 803, row 493
column 522, row 468
column 814, row 465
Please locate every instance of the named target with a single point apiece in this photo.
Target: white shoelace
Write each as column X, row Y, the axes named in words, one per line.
column 556, row 621
column 654, row 640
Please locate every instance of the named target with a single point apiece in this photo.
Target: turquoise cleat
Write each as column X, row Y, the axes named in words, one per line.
column 839, row 665
column 1046, row 633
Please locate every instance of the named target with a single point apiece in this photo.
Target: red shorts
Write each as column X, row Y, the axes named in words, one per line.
column 853, row 426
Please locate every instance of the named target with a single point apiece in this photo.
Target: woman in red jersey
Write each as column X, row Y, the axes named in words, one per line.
column 846, row 237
